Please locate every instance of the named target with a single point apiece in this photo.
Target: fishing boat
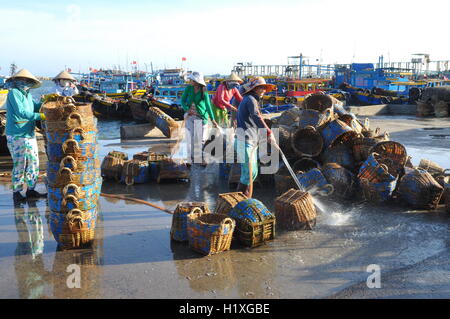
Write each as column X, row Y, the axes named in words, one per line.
column 109, row 108
column 138, row 109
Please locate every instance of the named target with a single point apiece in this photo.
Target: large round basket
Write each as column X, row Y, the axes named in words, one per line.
column 340, row 154
column 393, row 155
column 307, row 142
column 420, row 190
column 318, row 101
column 342, row 180
column 60, row 109
column 227, row 201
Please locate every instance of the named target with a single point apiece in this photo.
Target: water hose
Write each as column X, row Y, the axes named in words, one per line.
column 140, row 201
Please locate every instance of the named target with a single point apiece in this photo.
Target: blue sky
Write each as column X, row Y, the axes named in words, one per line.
column 46, row 36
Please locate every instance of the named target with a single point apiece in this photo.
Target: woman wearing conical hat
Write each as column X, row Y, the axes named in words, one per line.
column 65, row 84
column 197, row 105
column 21, row 116
column 226, row 91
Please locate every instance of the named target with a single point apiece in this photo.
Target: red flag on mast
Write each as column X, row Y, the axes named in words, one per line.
column 183, row 59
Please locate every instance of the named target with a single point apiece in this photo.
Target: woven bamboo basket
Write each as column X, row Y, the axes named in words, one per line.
column 227, row 201
column 443, row 180
column 60, row 109
column 375, row 181
column 420, row 190
column 77, row 134
column 66, row 175
column 155, row 157
column 74, row 120
column 135, row 172
column 118, row 154
column 111, row 167
column 393, row 155
column 343, row 180
column 431, row 167
column 307, row 142
column 341, row 154
column 314, row 178
column 362, row 146
column 315, row 118
column 353, row 122
column 255, row 224
column 172, row 169
column 295, row 210
column 210, row 233
column 178, row 231
column 141, row 156
column 76, row 229
column 336, row 132
column 318, row 101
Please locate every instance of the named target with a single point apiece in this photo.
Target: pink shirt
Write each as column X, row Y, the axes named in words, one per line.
column 223, row 97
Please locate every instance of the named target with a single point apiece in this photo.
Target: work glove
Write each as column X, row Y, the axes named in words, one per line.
column 42, row 116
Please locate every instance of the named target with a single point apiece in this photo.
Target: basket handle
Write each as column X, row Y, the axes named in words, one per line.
column 74, row 186
column 384, row 167
column 72, row 198
column 444, row 173
column 74, row 218
column 72, row 161
column 66, row 169
column 74, row 115
column 193, row 211
column 309, row 127
column 326, row 190
column 72, row 108
column 79, row 130
column 70, row 141
column 228, row 221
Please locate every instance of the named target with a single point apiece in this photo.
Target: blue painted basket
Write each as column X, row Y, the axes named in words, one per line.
column 376, row 183
column 337, row 131
column 77, row 134
column 340, row 154
column 315, row 179
column 314, row 118
column 57, row 152
column 419, row 189
column 210, row 233
column 135, row 172
column 178, row 231
column 63, row 199
column 61, row 174
column 75, row 229
column 255, row 224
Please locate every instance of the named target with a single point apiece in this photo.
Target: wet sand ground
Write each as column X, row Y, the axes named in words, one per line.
column 133, row 256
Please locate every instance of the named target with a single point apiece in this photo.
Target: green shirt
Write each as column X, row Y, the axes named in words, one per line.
column 21, row 113
column 201, row 100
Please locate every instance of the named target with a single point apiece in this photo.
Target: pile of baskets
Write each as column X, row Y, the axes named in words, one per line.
column 143, row 168
column 332, row 150
column 73, row 171
column 236, row 217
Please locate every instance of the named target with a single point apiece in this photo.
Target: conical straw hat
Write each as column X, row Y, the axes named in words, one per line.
column 233, row 77
column 24, row 73
column 64, row 75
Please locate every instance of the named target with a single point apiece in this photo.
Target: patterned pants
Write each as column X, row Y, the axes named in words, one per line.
column 25, row 156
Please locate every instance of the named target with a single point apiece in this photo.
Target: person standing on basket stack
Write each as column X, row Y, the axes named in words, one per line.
column 65, row 84
column 226, row 91
column 197, row 105
column 21, row 116
column 249, row 120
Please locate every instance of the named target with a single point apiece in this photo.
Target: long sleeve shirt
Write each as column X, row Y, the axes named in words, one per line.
column 21, row 113
column 201, row 101
column 223, row 97
column 250, row 119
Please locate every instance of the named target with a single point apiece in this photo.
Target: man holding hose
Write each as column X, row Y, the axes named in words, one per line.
column 249, row 121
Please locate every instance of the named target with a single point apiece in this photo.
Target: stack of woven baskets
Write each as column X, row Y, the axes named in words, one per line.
column 73, row 171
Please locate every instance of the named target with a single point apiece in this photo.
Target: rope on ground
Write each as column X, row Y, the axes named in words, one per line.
column 140, row 201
